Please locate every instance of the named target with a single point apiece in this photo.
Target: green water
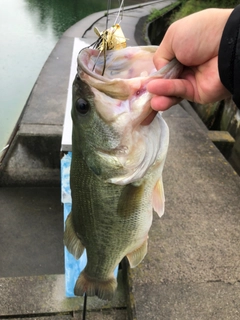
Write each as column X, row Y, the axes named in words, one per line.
column 29, row 30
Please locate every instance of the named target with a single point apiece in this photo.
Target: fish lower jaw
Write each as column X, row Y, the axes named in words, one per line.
column 104, row 289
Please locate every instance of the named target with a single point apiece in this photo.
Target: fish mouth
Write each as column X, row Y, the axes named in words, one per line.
column 127, row 70
column 127, row 63
column 125, row 79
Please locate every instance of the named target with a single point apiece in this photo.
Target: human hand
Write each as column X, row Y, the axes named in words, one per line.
column 194, row 41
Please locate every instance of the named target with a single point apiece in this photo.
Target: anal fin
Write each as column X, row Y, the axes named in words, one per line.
column 136, row 256
column 70, row 239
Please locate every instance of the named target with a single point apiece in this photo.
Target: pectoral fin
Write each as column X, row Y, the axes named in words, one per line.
column 159, row 198
column 136, row 256
column 70, row 239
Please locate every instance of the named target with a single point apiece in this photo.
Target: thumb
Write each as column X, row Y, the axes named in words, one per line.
column 164, row 53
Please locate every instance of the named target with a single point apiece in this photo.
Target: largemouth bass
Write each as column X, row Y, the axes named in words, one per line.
column 117, row 163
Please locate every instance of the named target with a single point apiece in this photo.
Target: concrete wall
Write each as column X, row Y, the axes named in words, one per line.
column 223, row 116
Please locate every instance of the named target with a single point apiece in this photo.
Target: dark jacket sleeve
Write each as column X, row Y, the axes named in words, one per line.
column 229, row 56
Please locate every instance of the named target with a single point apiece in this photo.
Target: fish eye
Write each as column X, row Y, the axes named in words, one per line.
column 82, row 106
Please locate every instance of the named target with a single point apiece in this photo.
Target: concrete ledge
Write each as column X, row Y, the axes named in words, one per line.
column 45, row 295
column 47, row 101
column 33, row 156
column 223, row 141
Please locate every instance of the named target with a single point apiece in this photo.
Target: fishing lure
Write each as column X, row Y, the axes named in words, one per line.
column 110, row 39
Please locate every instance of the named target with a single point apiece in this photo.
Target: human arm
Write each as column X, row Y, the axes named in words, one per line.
column 194, row 41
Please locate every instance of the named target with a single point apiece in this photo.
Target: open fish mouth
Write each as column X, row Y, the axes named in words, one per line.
column 126, row 76
column 119, row 91
column 124, row 63
column 127, row 70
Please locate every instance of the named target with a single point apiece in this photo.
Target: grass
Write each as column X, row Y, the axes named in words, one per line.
column 185, row 7
column 156, row 13
column 191, row 6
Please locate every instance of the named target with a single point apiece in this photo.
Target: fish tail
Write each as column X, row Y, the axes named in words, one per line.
column 71, row 240
column 104, row 289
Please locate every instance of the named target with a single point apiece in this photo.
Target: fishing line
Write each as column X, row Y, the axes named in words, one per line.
column 84, row 306
column 4, row 148
column 108, row 8
column 120, row 11
column 107, row 40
